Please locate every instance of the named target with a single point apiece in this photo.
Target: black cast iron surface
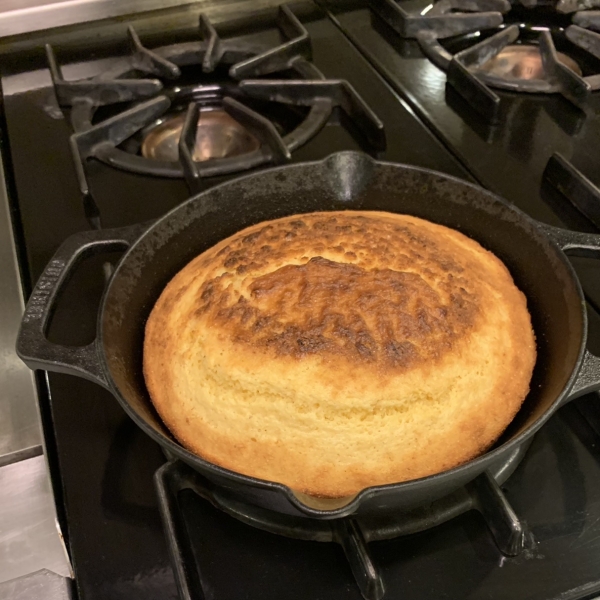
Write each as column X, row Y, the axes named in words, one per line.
column 103, row 464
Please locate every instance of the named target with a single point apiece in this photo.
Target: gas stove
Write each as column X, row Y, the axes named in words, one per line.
column 111, row 124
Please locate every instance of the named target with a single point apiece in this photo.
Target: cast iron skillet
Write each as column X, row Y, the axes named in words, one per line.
column 533, row 252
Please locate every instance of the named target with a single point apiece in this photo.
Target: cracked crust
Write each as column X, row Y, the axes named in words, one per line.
column 334, row 351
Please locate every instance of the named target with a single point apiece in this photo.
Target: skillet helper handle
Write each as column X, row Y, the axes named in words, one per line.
column 582, row 244
column 33, row 347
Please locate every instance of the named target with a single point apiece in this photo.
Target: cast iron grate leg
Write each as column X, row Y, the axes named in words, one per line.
column 348, row 534
column 169, row 480
column 149, row 62
column 213, row 52
column 447, row 24
column 572, row 86
column 505, row 526
column 98, row 92
column 280, row 57
column 574, row 186
column 474, row 91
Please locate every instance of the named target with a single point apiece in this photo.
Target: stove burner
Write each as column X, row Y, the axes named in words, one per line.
column 218, row 135
column 249, row 139
column 497, row 61
column 523, row 62
column 353, row 533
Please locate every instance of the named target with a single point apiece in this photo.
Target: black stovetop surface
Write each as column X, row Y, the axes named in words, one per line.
column 103, row 466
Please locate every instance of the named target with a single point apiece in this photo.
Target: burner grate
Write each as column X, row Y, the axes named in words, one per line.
column 465, row 69
column 139, row 81
column 465, row 77
column 353, row 534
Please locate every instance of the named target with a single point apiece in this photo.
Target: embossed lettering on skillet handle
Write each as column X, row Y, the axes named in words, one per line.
column 32, row 345
column 582, row 244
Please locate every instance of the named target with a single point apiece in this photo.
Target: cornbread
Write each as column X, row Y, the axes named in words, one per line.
column 334, row 351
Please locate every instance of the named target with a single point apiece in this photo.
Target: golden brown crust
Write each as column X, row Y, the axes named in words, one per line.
column 333, row 351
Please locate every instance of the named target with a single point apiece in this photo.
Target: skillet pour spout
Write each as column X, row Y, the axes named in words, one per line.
column 565, row 369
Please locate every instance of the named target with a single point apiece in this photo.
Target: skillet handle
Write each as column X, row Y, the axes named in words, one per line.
column 33, row 347
column 580, row 244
